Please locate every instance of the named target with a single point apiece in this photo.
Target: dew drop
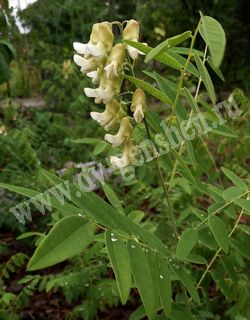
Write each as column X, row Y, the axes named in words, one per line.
column 132, row 246
column 161, row 276
column 113, row 239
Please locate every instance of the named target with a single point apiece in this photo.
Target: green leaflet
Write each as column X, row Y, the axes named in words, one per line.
column 214, row 36
column 67, row 238
column 65, row 207
column 163, row 57
column 186, row 243
column 112, row 197
column 216, row 69
column 193, row 104
column 120, row 261
column 149, row 89
column 190, row 67
column 188, row 282
column 164, row 86
column 232, row 193
column 165, row 286
column 171, row 42
column 205, row 77
column 143, row 277
column 244, row 204
column 219, row 230
column 235, row 179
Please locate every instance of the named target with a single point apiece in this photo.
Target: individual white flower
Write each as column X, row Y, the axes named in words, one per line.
column 131, row 32
column 127, row 157
column 111, row 117
column 115, row 61
column 120, row 162
column 87, row 65
column 100, row 94
column 106, row 91
column 123, row 134
column 101, row 41
column 80, row 48
column 94, row 76
column 139, row 104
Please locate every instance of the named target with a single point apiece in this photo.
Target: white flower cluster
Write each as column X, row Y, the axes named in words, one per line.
column 103, row 62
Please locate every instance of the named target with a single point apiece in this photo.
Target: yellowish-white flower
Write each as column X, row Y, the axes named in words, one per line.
column 2, row 129
column 123, row 134
column 87, row 65
column 111, row 117
column 106, row 91
column 115, row 61
column 139, row 104
column 101, row 41
column 127, row 157
column 131, row 32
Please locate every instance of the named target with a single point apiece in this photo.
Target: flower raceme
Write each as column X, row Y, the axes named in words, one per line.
column 104, row 63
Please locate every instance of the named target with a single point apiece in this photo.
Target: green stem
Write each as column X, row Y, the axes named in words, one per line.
column 183, row 71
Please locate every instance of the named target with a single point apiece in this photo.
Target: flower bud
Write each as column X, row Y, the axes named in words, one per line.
column 115, row 61
column 123, row 134
column 139, row 104
column 131, row 32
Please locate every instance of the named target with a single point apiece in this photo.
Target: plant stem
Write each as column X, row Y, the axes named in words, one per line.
column 183, row 72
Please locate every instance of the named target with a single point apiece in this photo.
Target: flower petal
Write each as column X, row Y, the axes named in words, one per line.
column 80, row 61
column 95, row 50
column 119, row 162
column 138, row 114
column 80, row 47
column 90, row 92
